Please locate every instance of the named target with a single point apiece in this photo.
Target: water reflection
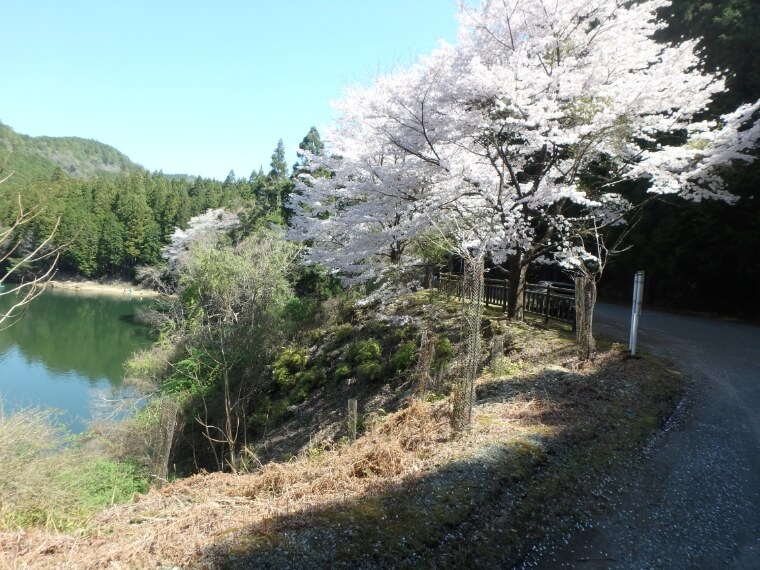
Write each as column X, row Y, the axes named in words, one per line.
column 67, row 345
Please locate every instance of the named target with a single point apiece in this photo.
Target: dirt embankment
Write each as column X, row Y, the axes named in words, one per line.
column 407, row 493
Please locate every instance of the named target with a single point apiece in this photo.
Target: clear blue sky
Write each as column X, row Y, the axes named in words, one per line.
column 200, row 87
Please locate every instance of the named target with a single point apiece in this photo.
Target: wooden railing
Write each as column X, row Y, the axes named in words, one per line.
column 450, row 285
column 549, row 301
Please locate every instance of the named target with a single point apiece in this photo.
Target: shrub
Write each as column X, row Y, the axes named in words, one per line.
column 309, row 380
column 342, row 333
column 444, row 353
column 365, row 352
column 401, row 334
column 339, row 309
column 369, row 371
column 301, row 313
column 289, row 364
column 195, row 374
column 343, row 371
column 150, row 365
column 404, row 357
column 315, row 335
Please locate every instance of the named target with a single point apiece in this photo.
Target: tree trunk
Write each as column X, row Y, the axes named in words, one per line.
column 585, row 299
column 518, row 272
column 427, row 280
column 472, row 314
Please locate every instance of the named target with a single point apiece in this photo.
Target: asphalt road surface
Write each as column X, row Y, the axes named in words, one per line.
column 695, row 502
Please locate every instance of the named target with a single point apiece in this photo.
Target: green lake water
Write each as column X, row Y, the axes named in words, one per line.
column 66, row 350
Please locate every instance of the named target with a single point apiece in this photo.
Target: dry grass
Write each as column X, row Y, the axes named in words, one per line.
column 194, row 520
column 52, row 481
column 28, row 440
column 174, row 525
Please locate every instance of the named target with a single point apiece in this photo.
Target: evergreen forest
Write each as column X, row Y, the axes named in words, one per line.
column 118, row 216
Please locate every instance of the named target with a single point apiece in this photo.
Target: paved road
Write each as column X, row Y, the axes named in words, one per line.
column 696, row 503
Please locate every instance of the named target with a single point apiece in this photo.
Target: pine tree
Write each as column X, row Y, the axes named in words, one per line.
column 311, row 145
column 279, row 169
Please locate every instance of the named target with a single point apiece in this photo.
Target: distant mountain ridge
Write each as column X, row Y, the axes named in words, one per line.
column 36, row 158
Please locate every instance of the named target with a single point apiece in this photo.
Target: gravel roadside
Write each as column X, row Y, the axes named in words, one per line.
column 696, row 503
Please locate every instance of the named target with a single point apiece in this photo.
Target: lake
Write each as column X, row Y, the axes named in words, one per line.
column 68, row 348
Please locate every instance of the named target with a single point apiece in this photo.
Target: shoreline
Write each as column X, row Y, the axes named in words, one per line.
column 111, row 288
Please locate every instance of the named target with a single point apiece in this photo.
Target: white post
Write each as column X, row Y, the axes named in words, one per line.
column 352, row 419
column 638, row 294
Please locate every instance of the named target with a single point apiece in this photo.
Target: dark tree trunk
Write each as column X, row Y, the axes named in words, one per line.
column 427, row 280
column 585, row 299
column 518, row 271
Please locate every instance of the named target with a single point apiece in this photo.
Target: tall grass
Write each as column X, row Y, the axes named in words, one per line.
column 52, row 480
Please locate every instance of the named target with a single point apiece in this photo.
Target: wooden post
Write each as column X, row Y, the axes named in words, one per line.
column 505, row 296
column 352, row 419
column 497, row 355
column 547, row 300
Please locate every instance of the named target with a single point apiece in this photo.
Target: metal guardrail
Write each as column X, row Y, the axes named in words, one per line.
column 549, row 301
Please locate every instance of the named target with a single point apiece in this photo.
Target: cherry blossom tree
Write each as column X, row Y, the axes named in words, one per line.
column 489, row 141
column 207, row 226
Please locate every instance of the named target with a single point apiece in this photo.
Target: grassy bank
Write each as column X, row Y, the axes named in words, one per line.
column 50, row 480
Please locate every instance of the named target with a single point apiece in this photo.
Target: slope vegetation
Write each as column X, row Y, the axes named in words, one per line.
column 406, row 492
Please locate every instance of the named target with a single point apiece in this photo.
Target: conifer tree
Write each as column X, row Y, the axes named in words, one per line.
column 279, row 168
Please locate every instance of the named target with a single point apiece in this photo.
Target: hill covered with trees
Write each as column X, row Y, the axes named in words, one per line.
column 114, row 215
column 35, row 158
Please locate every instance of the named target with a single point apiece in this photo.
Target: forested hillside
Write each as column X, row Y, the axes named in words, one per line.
column 112, row 221
column 35, row 158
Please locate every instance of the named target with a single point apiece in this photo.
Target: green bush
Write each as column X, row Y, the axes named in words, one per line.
column 369, row 371
column 401, row 334
column 365, row 356
column 404, row 357
column 195, row 374
column 150, row 364
column 301, row 312
column 301, row 393
column 342, row 333
column 343, row 371
column 444, row 353
column 289, row 365
column 365, row 352
column 315, row 335
column 313, row 378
